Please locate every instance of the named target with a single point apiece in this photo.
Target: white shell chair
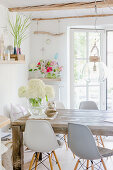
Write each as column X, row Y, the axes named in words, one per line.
column 39, row 137
column 91, row 105
column 81, row 142
column 88, row 105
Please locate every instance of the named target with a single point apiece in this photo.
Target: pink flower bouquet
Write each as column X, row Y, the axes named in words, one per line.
column 49, row 68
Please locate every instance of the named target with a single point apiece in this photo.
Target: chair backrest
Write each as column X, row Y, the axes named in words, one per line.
column 59, row 105
column 81, row 142
column 88, row 105
column 39, row 136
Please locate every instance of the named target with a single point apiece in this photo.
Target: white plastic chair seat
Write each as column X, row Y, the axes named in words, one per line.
column 104, row 152
column 39, row 136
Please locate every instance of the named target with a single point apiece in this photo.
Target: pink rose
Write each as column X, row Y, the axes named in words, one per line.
column 43, row 70
column 60, row 68
column 49, row 69
column 39, row 64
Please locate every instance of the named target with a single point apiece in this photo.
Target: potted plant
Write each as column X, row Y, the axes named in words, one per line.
column 19, row 30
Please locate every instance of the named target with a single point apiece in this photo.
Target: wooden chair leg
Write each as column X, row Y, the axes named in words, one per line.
column 97, row 140
column 57, row 160
column 65, row 142
column 50, row 162
column 74, row 155
column 31, row 163
column 87, row 164
column 76, row 164
column 103, row 164
column 102, row 141
column 51, row 154
column 36, row 162
column 92, row 166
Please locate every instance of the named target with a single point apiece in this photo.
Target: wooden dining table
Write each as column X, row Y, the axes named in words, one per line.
column 97, row 121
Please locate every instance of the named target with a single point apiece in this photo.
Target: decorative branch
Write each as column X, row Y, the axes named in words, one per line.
column 48, row 33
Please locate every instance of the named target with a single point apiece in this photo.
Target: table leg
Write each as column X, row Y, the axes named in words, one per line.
column 18, row 151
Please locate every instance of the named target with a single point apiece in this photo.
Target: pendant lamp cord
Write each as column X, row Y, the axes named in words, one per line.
column 58, row 26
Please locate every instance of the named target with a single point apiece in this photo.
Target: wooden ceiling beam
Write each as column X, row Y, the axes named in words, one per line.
column 71, row 17
column 64, row 6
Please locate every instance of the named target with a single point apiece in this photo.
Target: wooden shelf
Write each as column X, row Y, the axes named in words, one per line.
column 12, row 62
column 46, row 79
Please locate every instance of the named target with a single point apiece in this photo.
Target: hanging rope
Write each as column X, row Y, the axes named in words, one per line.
column 37, row 26
column 48, row 33
column 95, row 6
column 58, row 26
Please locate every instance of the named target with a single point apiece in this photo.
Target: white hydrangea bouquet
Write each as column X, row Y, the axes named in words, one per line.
column 37, row 94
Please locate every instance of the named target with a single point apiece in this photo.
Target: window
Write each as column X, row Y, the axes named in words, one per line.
column 110, row 69
column 81, row 43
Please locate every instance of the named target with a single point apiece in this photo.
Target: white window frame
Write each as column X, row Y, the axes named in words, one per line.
column 103, row 59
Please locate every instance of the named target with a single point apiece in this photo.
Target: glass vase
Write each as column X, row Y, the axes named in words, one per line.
column 51, row 75
column 15, row 52
column 18, row 51
column 36, row 106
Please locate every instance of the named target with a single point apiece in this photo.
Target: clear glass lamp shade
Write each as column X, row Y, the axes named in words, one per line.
column 94, row 72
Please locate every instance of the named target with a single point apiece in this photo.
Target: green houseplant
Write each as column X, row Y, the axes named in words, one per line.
column 19, row 30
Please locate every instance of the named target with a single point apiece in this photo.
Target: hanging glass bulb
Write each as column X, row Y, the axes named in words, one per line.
column 94, row 70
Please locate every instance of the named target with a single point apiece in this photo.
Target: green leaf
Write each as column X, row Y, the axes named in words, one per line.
column 30, row 69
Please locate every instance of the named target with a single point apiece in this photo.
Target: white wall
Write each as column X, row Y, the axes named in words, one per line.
column 12, row 76
column 59, row 44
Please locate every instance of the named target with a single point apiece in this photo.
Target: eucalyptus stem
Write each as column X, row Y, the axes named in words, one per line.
column 46, row 98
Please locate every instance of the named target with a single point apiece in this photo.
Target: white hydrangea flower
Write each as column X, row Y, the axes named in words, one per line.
column 49, row 91
column 34, row 83
column 22, row 91
column 36, row 88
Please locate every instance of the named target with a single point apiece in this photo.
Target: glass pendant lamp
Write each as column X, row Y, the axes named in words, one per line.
column 94, row 70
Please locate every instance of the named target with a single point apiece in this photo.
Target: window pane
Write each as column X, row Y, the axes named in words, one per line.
column 79, row 45
column 94, row 94
column 110, row 41
column 110, row 70
column 79, row 95
column 78, row 67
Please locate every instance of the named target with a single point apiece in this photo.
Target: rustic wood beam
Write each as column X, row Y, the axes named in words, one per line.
column 71, row 17
column 64, row 6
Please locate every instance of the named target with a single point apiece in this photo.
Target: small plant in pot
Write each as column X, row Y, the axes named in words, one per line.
column 19, row 30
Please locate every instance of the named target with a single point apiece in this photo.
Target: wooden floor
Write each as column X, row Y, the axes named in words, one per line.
column 66, row 159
